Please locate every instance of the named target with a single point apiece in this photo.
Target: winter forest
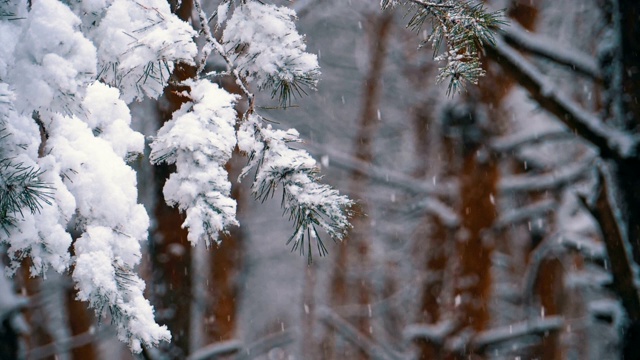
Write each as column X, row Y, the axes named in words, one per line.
column 320, row 179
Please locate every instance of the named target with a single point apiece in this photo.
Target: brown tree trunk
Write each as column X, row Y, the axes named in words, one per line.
column 550, row 286
column 353, row 252
column 80, row 321
column 226, row 262
column 478, row 209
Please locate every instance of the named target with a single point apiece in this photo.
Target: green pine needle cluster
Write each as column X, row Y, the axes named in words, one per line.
column 459, row 30
column 20, row 189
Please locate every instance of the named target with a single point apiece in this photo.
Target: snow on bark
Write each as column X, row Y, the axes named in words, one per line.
column 199, row 140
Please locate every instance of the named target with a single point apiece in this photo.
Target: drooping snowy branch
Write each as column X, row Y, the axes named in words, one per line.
column 108, row 216
column 309, row 203
column 199, row 140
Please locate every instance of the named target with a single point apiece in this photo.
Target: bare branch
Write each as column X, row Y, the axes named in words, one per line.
column 216, row 349
column 524, row 213
column 265, row 344
column 548, row 48
column 513, row 331
column 515, row 141
column 609, row 141
column 65, row 345
column 381, row 175
column 551, row 180
column 373, row 350
column 434, row 333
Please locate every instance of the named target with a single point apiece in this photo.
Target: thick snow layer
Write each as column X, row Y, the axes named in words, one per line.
column 199, row 140
column 138, row 44
column 270, row 50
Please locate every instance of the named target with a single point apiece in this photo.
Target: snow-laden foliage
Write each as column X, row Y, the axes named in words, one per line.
column 111, row 220
column 269, row 51
column 52, row 61
column 309, row 203
column 68, row 71
column 36, row 228
column 138, row 43
column 199, row 140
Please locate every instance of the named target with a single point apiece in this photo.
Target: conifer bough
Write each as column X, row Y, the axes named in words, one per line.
column 458, row 30
column 69, row 72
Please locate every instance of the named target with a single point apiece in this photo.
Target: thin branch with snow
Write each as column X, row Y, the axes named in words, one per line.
column 513, row 331
column 548, row 48
column 351, row 334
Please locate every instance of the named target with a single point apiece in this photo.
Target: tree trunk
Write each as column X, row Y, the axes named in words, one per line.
column 353, row 252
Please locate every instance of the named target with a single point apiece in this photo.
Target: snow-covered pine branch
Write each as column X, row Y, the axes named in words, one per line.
column 268, row 50
column 74, row 135
column 461, row 28
column 67, row 73
column 310, row 204
column 199, row 140
column 137, row 43
column 29, row 195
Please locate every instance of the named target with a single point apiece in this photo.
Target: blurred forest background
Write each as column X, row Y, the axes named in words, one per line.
column 479, row 221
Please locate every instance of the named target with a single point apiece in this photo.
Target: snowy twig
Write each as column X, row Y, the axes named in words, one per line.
column 216, row 349
column 524, row 213
column 428, row 5
column 514, row 141
column 548, row 48
column 434, row 333
column 610, row 142
column 265, row 344
column 551, row 180
column 516, row 330
column 351, row 334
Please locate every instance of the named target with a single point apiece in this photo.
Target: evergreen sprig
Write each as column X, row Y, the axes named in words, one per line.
column 462, row 28
column 309, row 204
column 20, row 188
